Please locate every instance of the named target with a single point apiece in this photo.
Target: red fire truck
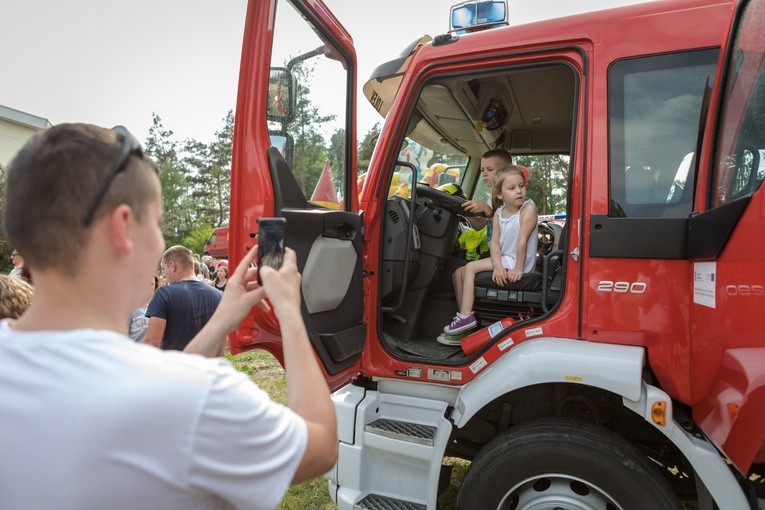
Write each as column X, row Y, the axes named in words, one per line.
column 629, row 370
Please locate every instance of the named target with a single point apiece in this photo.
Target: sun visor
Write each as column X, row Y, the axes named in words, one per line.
column 382, row 87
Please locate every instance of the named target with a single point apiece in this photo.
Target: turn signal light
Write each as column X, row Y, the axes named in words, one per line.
column 733, row 412
column 659, row 412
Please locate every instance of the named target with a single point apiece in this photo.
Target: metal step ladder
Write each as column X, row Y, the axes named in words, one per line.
column 394, row 462
column 377, row 502
column 401, row 430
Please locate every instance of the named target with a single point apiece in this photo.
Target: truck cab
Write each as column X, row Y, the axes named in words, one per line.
column 627, row 368
column 217, row 245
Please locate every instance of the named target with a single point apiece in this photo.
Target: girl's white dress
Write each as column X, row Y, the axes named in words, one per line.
column 510, row 229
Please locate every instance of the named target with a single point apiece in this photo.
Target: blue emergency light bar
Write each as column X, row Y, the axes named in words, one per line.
column 477, row 15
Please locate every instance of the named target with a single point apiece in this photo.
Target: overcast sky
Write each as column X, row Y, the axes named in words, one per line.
column 112, row 63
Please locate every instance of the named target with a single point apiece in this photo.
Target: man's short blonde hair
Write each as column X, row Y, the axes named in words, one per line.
column 181, row 255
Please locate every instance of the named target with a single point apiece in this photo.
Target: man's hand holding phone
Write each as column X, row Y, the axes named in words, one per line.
column 283, row 286
column 271, row 233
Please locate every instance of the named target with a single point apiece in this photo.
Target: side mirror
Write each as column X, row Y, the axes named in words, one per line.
column 282, row 95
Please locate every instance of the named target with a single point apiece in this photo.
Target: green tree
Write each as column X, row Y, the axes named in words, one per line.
column 2, row 201
column 209, row 172
column 336, row 156
column 5, row 246
column 220, row 152
column 547, row 181
column 196, row 240
column 176, row 202
column 310, row 153
column 367, row 147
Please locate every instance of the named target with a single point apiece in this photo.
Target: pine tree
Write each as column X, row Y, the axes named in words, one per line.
column 310, row 152
column 178, row 208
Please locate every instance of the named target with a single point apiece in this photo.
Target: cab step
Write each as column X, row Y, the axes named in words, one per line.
column 380, row 502
column 391, row 458
column 403, row 431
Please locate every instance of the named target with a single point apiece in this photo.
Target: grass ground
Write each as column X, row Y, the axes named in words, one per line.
column 269, row 375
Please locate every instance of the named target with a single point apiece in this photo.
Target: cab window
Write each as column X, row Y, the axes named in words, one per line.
column 310, row 129
column 740, row 152
column 654, row 105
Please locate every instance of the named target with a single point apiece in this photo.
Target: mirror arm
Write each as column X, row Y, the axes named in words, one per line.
column 321, row 50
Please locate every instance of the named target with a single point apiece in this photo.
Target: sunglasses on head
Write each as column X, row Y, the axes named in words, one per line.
column 130, row 146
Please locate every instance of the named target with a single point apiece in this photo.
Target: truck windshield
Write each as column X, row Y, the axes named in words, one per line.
column 459, row 118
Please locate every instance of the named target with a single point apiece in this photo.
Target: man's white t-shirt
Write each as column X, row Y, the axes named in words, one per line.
column 91, row 420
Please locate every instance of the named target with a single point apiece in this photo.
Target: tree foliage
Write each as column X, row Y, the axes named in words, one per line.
column 547, row 181
column 175, row 201
column 367, row 147
column 195, row 178
column 310, row 152
column 209, row 167
column 5, row 246
column 197, row 238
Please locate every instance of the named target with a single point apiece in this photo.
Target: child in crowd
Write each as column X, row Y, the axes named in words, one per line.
column 513, row 246
column 15, row 297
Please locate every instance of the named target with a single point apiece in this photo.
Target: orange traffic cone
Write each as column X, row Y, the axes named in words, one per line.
column 324, row 193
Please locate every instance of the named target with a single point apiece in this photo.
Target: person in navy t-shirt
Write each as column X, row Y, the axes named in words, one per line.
column 178, row 311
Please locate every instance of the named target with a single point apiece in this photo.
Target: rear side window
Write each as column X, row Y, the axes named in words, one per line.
column 654, row 107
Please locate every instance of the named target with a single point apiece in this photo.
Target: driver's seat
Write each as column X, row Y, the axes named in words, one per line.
column 494, row 302
column 531, row 296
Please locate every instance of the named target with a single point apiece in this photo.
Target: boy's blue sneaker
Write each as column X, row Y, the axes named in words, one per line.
column 460, row 324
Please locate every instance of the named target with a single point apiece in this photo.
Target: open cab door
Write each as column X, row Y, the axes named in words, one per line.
column 294, row 156
column 726, row 245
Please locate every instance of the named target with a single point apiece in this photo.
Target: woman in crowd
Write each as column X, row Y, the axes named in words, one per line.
column 221, row 277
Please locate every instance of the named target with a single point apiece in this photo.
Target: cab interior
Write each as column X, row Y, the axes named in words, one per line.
column 530, row 112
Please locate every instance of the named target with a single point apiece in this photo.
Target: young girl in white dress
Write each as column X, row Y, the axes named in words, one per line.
column 513, row 246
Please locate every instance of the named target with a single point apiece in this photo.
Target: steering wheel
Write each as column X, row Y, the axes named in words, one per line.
column 443, row 200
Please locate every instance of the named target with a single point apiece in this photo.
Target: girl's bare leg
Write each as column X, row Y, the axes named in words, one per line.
column 468, row 283
column 457, row 278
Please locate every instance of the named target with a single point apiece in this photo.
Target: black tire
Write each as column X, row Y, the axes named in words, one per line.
column 563, row 464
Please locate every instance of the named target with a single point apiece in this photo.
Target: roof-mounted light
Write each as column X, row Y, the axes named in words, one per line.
column 475, row 15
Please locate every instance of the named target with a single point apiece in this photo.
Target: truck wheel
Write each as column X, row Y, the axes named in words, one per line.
column 563, row 464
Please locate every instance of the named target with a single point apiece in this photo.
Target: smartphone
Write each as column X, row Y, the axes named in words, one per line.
column 271, row 242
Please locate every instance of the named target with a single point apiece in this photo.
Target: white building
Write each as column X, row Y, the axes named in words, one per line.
column 16, row 127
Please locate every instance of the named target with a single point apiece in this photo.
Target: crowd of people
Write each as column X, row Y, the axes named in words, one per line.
column 76, row 392
column 187, row 311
